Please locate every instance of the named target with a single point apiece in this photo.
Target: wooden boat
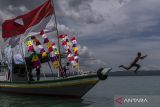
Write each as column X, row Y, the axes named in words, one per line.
column 74, row 86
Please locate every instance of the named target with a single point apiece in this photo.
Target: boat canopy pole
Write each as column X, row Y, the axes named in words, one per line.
column 24, row 61
column 59, row 47
column 44, row 74
column 50, row 65
column 11, row 67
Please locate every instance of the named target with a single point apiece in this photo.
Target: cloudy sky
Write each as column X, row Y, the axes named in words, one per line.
column 110, row 31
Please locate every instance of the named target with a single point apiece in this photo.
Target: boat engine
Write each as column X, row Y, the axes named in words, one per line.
column 102, row 73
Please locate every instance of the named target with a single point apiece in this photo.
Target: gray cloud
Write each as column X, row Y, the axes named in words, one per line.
column 123, row 1
column 80, row 10
column 87, row 59
column 10, row 8
column 21, row 8
column 114, row 30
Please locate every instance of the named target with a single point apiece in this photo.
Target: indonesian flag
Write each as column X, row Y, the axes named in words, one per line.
column 28, row 22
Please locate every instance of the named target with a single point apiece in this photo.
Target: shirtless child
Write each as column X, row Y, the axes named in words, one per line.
column 134, row 63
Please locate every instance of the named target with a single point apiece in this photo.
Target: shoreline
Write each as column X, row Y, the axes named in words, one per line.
column 132, row 73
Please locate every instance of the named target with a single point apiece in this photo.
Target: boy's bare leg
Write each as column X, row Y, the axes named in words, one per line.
column 122, row 66
column 138, row 66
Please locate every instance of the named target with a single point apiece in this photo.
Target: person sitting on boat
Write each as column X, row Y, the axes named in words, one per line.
column 134, row 63
column 65, row 68
column 18, row 60
column 36, row 64
column 38, row 72
column 9, row 71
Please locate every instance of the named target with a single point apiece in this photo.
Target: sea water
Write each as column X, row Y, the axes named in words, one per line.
column 102, row 95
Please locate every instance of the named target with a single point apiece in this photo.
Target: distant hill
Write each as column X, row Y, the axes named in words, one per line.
column 139, row 73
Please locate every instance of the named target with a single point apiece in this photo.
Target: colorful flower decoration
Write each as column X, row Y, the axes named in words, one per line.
column 38, row 44
column 52, row 49
column 29, row 45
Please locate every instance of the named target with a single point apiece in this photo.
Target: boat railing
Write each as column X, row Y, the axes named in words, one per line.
column 17, row 73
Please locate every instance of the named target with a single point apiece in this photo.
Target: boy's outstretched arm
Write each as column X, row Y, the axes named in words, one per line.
column 143, row 56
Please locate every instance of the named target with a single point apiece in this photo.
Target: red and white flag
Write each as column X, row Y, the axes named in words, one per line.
column 34, row 21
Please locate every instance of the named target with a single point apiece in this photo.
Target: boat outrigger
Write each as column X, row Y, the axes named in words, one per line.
column 16, row 67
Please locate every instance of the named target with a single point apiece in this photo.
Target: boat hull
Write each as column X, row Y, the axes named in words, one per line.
column 69, row 87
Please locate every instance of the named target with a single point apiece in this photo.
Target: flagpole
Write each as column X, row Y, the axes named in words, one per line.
column 59, row 47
